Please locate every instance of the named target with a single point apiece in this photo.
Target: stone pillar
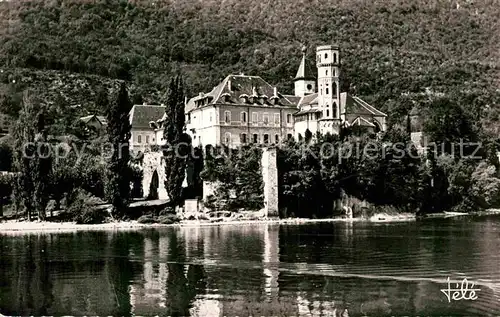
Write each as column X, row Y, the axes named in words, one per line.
column 270, row 179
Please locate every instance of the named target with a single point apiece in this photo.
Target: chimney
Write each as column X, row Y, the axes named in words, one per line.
column 275, row 91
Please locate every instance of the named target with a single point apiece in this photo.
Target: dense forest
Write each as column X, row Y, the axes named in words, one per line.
column 395, row 52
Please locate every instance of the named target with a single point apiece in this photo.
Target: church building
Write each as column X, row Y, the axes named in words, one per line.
column 246, row 109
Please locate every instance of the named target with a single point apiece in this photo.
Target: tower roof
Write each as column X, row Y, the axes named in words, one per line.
column 305, row 70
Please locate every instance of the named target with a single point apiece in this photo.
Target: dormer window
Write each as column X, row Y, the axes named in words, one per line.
column 275, row 100
column 244, row 98
column 226, row 97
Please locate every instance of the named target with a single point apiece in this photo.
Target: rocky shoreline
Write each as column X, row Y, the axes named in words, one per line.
column 21, row 227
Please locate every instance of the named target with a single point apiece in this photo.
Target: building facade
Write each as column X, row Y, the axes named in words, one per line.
column 246, row 109
column 143, row 119
column 240, row 110
column 327, row 109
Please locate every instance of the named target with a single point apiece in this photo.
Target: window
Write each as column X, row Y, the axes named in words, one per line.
column 210, row 117
column 139, row 139
column 321, row 91
column 266, row 138
column 265, row 118
column 243, row 117
column 334, row 88
column 147, row 139
column 289, row 136
column 334, row 58
column 227, row 116
column 255, row 138
column 227, row 138
column 243, row 138
column 288, row 118
column 276, row 139
column 327, row 91
column 327, row 112
column 276, row 118
column 326, row 55
column 309, row 87
column 326, row 72
column 334, row 110
column 255, row 117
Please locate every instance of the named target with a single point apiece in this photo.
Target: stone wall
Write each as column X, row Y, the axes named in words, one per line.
column 153, row 162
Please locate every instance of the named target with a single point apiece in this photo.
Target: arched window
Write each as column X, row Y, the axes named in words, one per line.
column 227, row 138
column 227, row 116
column 334, row 58
column 327, row 90
column 334, row 88
column 327, row 112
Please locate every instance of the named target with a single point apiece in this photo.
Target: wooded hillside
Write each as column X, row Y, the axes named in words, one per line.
column 395, row 52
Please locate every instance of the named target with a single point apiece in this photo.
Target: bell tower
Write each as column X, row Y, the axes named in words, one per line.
column 328, row 64
column 304, row 81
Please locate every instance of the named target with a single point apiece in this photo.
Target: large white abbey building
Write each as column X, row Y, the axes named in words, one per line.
column 246, row 109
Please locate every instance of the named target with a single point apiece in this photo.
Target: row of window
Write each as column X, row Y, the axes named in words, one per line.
column 327, row 91
column 318, row 58
column 139, row 139
column 255, row 138
column 255, row 117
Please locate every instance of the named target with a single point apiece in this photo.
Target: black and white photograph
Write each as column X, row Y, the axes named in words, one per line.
column 237, row 158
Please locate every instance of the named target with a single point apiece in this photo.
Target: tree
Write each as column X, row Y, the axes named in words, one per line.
column 177, row 145
column 118, row 173
column 42, row 165
column 29, row 164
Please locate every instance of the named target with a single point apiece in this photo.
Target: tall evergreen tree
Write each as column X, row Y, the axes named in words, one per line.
column 118, row 175
column 177, row 145
column 32, row 158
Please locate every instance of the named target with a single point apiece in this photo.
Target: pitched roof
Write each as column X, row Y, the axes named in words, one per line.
column 311, row 99
column 234, row 86
column 87, row 119
column 142, row 115
column 293, row 99
column 360, row 121
column 305, row 70
column 312, row 110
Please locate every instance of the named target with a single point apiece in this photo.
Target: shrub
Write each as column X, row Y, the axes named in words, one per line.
column 83, row 207
column 168, row 210
column 146, row 219
column 168, row 219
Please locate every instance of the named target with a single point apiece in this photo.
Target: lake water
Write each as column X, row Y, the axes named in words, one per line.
column 261, row 270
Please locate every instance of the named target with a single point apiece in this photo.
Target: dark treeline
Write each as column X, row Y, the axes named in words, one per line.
column 384, row 171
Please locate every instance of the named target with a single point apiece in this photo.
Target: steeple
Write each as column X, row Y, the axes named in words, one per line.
column 304, row 80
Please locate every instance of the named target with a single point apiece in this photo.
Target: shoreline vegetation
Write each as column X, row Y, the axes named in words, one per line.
column 25, row 227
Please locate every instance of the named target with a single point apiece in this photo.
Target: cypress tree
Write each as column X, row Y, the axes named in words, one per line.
column 32, row 158
column 118, row 174
column 177, row 141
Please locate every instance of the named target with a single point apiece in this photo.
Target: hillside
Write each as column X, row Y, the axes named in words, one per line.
column 394, row 51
